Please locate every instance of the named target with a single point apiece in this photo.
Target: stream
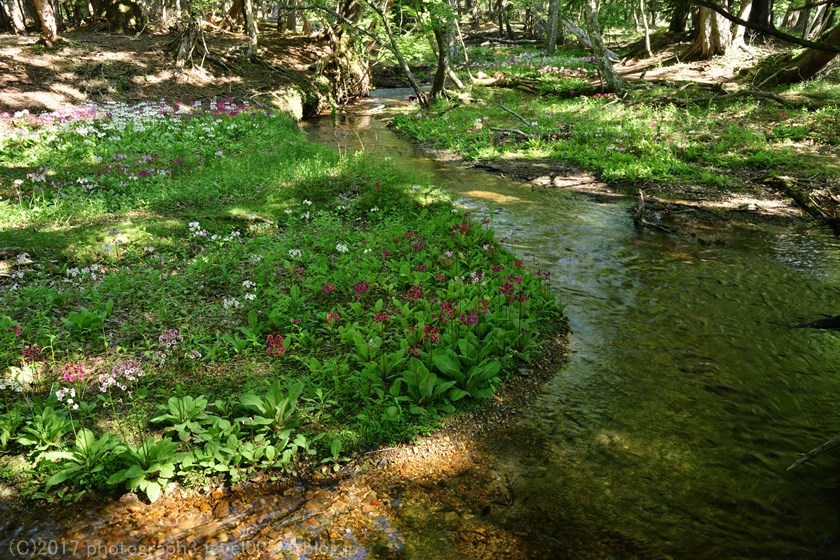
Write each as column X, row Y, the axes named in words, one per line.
column 687, row 393
column 666, row 434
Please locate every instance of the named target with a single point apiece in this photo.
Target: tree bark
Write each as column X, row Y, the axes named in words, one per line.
column 713, row 36
column 762, row 13
column 553, row 19
column 679, row 17
column 14, row 16
column 602, row 60
column 809, row 63
column 740, row 30
column 49, row 29
column 251, row 26
column 647, row 29
column 441, row 39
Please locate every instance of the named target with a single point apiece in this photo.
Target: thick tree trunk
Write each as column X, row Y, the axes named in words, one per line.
column 251, row 26
column 347, row 72
column 809, row 63
column 553, row 20
column 679, row 17
column 762, row 13
column 49, row 29
column 713, row 38
column 602, row 59
column 14, row 16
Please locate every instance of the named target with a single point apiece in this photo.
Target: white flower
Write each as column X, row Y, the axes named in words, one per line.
column 305, row 215
column 250, row 297
column 219, row 153
column 416, row 187
column 341, row 248
column 230, row 303
column 308, row 202
column 248, row 284
column 288, row 210
column 149, row 249
column 375, row 209
column 295, row 253
column 255, row 258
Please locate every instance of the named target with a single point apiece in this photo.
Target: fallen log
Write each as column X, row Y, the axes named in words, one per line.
column 584, row 38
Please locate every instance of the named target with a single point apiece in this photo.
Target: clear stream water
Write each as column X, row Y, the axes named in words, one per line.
column 687, row 393
column 667, row 434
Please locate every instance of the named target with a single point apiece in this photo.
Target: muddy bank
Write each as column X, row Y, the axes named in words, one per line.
column 711, row 205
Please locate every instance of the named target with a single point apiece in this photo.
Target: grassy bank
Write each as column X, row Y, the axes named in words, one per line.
column 654, row 138
column 194, row 291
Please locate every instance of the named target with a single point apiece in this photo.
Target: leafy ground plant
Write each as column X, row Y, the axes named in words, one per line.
column 200, row 292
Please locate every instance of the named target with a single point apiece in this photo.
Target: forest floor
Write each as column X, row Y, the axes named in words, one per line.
column 95, row 67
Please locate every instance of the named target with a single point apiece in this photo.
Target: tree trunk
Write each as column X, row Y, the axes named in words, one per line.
column 14, row 16
column 440, row 30
column 809, row 63
column 713, row 36
column 647, row 29
column 762, row 13
column 251, row 26
column 49, row 30
column 679, row 17
column 395, row 49
column 291, row 17
column 346, row 71
column 740, row 30
column 602, row 59
column 233, row 14
column 553, row 19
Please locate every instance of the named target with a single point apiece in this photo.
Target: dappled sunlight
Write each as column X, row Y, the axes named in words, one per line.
column 492, row 196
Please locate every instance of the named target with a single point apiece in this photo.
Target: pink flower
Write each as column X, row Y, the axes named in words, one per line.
column 415, row 293
column 73, row 372
column 275, row 345
column 329, row 288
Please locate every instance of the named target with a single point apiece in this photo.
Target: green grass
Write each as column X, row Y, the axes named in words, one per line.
column 222, row 254
column 725, row 145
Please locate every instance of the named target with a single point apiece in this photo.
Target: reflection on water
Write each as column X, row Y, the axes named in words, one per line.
column 687, row 393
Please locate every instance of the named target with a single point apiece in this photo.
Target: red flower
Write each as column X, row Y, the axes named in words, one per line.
column 275, row 345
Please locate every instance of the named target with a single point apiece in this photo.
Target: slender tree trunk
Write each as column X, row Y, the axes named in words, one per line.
column 602, row 60
column 553, row 21
column 406, row 69
column 647, row 29
column 740, row 30
column 441, row 31
column 291, row 17
column 49, row 29
column 251, row 26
